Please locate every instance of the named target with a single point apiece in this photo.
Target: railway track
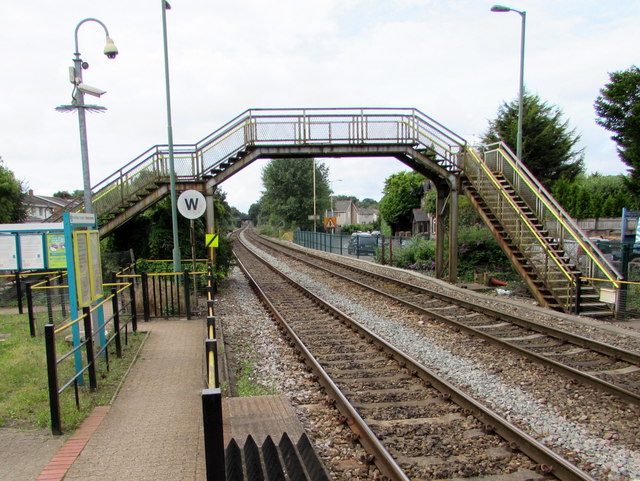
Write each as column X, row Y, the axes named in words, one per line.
column 414, row 424
column 599, row 365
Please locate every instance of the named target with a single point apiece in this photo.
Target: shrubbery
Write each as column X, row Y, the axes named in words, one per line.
column 477, row 250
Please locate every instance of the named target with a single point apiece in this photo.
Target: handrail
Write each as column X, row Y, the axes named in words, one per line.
column 343, row 125
column 557, row 212
column 541, row 240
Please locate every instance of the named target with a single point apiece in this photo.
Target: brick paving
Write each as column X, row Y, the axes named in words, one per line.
column 153, row 430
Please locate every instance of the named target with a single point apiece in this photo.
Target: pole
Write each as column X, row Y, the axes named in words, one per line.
column 82, row 124
column 520, row 106
column 314, row 195
column 172, row 172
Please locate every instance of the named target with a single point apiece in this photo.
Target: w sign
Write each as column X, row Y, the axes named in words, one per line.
column 191, row 204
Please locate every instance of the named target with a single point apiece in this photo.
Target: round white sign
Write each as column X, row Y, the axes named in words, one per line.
column 191, row 204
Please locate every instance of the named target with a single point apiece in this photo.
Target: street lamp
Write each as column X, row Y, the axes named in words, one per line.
column 110, row 50
column 172, row 172
column 523, row 15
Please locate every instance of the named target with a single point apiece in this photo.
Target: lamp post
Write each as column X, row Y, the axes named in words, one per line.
column 110, row 51
column 172, row 173
column 314, row 195
column 523, row 15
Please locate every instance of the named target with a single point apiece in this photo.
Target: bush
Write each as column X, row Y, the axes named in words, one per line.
column 478, row 250
column 418, row 254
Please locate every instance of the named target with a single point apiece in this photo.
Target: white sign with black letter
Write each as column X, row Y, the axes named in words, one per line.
column 191, row 204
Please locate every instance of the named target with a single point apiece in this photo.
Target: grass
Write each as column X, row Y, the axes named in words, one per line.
column 24, row 395
column 246, row 383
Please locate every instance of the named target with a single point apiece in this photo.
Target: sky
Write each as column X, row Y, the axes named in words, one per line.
column 454, row 60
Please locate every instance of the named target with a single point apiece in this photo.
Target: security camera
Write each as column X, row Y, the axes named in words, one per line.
column 88, row 89
column 110, row 49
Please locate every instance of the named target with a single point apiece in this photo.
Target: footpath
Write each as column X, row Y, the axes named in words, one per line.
column 151, row 432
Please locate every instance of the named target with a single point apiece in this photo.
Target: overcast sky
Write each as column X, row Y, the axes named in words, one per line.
column 453, row 59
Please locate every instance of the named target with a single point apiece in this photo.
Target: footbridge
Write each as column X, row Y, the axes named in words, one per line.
column 556, row 260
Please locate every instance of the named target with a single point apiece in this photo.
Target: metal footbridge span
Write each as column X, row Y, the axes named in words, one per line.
column 554, row 257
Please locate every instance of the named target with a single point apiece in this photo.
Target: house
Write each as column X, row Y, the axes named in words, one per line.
column 347, row 212
column 422, row 223
column 41, row 207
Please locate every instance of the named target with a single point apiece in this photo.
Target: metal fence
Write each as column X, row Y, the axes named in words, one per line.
column 98, row 329
column 360, row 245
column 624, row 257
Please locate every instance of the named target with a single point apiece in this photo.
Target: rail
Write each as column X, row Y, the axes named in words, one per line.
column 560, row 225
column 544, row 258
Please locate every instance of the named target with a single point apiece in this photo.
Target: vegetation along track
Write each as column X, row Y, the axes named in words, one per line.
column 414, row 424
column 603, row 366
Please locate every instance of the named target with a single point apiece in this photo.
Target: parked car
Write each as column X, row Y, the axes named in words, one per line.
column 362, row 243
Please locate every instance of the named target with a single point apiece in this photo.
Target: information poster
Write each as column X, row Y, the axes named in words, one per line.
column 8, row 253
column 56, row 251
column 83, row 273
column 95, row 264
column 31, row 251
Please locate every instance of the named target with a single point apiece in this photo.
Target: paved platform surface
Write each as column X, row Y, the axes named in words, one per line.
column 152, row 431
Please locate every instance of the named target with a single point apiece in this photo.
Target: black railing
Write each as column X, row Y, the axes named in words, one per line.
column 122, row 302
column 211, row 394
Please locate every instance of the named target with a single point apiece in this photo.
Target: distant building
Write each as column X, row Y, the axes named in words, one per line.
column 422, row 223
column 41, row 207
column 347, row 212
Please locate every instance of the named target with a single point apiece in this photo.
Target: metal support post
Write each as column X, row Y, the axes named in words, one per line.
column 31, row 310
column 52, row 375
column 213, row 434
column 145, row 296
column 19, row 293
column 116, row 321
column 134, row 311
column 187, row 295
column 88, row 336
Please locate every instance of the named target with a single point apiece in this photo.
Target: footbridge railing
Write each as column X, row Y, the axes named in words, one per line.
column 281, row 127
column 562, row 234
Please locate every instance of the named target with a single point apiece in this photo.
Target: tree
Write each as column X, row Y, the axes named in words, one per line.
column 402, row 194
column 618, row 110
column 594, row 196
column 288, row 194
column 64, row 194
column 12, row 208
column 548, row 146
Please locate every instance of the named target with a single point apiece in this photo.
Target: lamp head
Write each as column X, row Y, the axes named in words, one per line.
column 110, row 49
column 500, row 8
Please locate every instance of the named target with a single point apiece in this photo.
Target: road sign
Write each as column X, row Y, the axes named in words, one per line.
column 212, row 239
column 191, row 204
column 330, row 222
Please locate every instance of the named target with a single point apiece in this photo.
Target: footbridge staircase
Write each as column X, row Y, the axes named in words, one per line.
column 556, row 260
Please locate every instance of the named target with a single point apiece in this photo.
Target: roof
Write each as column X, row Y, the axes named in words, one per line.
column 420, row 216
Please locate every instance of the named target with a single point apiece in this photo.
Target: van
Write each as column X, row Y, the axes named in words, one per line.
column 362, row 243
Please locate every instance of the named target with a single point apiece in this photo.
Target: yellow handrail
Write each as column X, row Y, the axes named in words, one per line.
column 562, row 222
column 524, row 218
